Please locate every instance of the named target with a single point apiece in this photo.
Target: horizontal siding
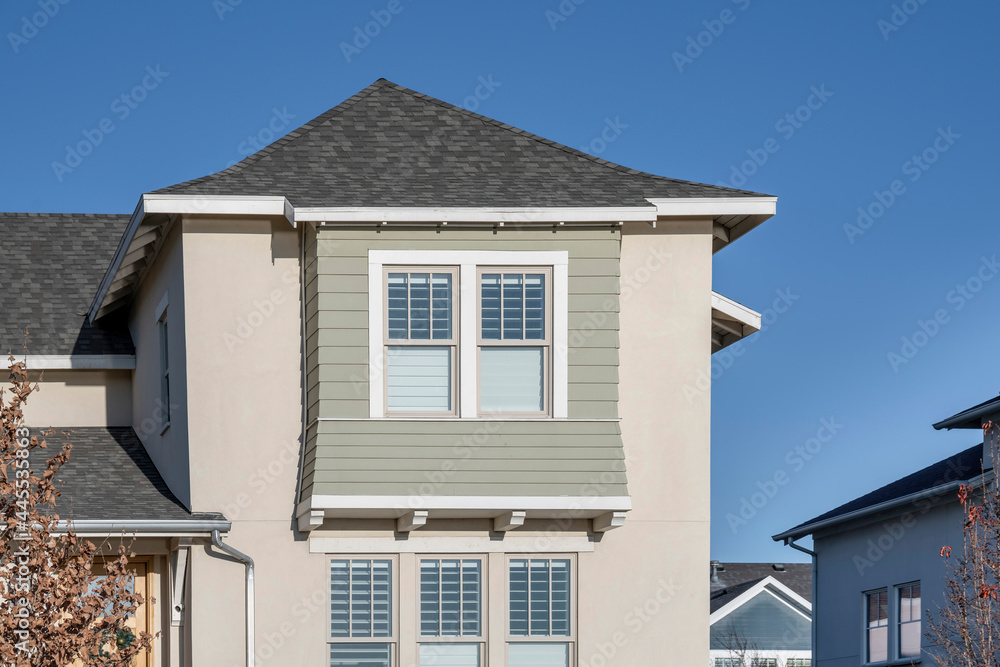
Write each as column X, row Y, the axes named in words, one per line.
column 540, row 458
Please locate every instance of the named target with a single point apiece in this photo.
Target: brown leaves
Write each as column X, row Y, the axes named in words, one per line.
column 945, row 552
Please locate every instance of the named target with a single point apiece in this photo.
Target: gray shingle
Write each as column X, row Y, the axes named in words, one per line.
column 390, row 146
column 737, row 578
column 52, row 265
column 108, row 476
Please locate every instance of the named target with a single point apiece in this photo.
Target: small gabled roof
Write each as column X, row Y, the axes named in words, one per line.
column 51, row 266
column 109, row 477
column 972, row 417
column 388, row 146
column 737, row 578
column 940, row 476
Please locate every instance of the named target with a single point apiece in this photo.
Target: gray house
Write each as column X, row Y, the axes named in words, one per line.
column 877, row 568
column 761, row 614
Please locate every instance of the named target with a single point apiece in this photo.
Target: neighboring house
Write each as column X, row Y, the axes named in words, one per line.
column 761, row 614
column 444, row 381
column 877, row 559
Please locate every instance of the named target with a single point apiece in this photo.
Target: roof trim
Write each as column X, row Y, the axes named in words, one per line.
column 939, row 490
column 972, row 417
column 731, row 322
column 714, row 206
column 760, row 587
column 90, row 362
column 527, row 214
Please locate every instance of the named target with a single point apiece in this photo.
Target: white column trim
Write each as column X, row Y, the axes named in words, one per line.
column 376, row 353
column 468, row 354
column 560, row 340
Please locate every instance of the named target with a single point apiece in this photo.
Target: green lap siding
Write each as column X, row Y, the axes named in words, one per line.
column 337, row 369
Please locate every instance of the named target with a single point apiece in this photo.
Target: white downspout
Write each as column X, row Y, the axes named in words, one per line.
column 246, row 560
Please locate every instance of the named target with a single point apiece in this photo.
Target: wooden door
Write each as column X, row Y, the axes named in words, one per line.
column 140, row 622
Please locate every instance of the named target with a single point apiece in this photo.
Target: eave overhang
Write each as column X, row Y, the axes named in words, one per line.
column 732, row 217
column 731, row 322
column 971, row 418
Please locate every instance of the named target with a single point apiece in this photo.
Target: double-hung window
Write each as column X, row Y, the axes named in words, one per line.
column 514, row 340
column 451, row 612
column 420, row 341
column 361, row 613
column 877, row 626
column 540, row 626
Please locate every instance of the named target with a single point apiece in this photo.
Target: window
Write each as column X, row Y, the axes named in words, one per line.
column 361, row 610
column 161, row 325
column 877, row 625
column 798, row 662
column 728, row 662
column 764, row 662
column 451, row 609
column 909, row 620
column 470, row 334
column 420, row 341
column 539, row 606
column 514, row 340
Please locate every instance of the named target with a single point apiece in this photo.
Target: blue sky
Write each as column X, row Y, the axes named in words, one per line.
column 887, row 106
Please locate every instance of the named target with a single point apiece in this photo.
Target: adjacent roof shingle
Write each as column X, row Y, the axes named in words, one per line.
column 737, row 578
column 52, row 265
column 109, row 476
column 962, row 466
column 391, row 146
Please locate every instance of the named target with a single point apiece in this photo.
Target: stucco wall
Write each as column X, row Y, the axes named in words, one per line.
column 80, row 398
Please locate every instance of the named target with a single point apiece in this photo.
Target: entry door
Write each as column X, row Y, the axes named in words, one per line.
column 140, row 621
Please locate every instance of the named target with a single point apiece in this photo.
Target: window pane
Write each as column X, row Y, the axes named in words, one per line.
column 519, row 598
column 451, row 601
column 471, row 597
column 361, row 598
column 381, row 598
column 560, row 598
column 430, row 581
column 534, row 306
column 538, row 597
column 418, row 379
column 511, row 379
column 513, row 306
column 420, row 306
column 490, row 306
column 909, row 640
column 441, row 306
column 340, row 598
column 449, row 655
column 359, row 655
column 538, row 655
column 878, row 644
column 398, row 306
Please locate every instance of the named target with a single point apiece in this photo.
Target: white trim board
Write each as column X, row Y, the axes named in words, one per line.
column 468, row 261
column 481, row 504
column 94, row 362
column 765, row 586
column 714, row 206
column 450, row 545
column 513, row 215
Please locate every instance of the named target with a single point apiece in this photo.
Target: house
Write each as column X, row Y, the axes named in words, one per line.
column 405, row 387
column 761, row 614
column 877, row 559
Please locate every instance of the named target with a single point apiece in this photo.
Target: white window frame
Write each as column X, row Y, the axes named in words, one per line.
column 888, row 590
column 393, row 639
column 484, row 594
column 163, row 351
column 898, row 623
column 570, row 639
column 468, row 262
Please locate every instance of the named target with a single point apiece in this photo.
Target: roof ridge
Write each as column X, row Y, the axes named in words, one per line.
column 548, row 142
column 287, row 139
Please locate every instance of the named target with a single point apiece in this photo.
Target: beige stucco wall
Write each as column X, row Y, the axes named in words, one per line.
column 168, row 449
column 80, row 398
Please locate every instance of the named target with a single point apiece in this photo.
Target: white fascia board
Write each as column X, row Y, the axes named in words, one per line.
column 219, row 205
column 472, row 544
column 762, row 586
column 735, row 311
column 92, row 362
column 528, row 214
column 714, row 206
column 133, row 224
column 497, row 504
column 474, row 257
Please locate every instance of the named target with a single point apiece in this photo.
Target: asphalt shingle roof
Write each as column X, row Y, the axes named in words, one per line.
column 961, row 466
column 391, row 146
column 737, row 578
column 109, row 476
column 52, row 265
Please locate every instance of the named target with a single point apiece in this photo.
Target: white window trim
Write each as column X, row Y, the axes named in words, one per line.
column 468, row 261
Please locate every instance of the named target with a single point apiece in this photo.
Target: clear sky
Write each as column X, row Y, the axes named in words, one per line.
column 887, row 106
